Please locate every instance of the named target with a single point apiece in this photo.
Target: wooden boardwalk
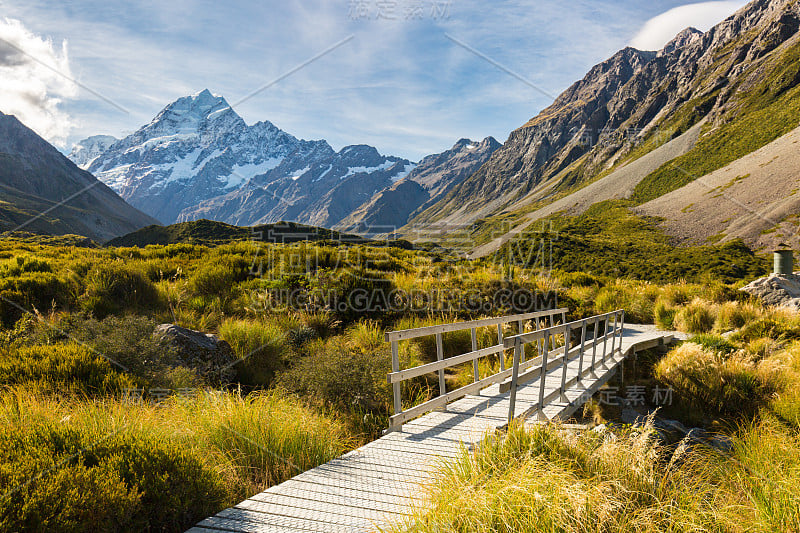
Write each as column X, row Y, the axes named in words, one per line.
column 379, row 484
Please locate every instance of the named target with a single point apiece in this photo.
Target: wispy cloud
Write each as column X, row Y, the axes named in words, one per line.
column 399, row 84
column 35, row 78
column 659, row 30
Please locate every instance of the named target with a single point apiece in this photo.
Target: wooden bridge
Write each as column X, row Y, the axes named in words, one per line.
column 545, row 369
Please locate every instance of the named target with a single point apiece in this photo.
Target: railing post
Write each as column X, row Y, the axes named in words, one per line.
column 595, row 338
column 520, row 331
column 565, row 362
column 398, row 406
column 614, row 336
column 605, row 341
column 440, row 357
column 580, row 356
column 542, row 375
column 476, row 370
column 621, row 328
column 514, row 377
column 500, row 341
column 538, row 341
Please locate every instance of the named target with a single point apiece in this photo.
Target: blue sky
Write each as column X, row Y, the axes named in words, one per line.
column 401, row 82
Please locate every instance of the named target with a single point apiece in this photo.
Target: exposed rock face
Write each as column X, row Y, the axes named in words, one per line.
column 195, row 149
column 85, row 152
column 210, row 357
column 319, row 188
column 623, row 100
column 199, row 159
column 777, row 290
column 433, row 177
column 43, row 191
column 547, row 143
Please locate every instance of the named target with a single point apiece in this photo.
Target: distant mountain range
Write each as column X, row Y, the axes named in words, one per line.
column 197, row 159
column 41, row 191
column 642, row 124
column 639, row 127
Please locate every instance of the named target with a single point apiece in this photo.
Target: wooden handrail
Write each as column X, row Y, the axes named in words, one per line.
column 407, row 334
column 397, row 376
column 518, row 342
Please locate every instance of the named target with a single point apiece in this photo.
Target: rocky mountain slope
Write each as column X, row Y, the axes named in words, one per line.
column 318, row 187
column 195, row 149
column 738, row 82
column 198, row 159
column 43, row 191
column 755, row 198
column 433, row 177
column 86, row 151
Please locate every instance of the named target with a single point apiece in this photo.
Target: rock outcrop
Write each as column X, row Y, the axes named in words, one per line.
column 212, row 358
column 777, row 290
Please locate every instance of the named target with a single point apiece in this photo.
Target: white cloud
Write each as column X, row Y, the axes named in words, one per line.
column 35, row 78
column 659, row 30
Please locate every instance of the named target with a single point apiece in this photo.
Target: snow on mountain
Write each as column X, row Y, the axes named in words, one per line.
column 86, row 151
column 195, row 149
column 319, row 187
column 416, row 187
column 198, row 159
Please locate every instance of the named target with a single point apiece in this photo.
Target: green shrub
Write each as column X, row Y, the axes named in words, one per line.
column 719, row 294
column 32, row 291
column 350, row 294
column 637, row 300
column 715, row 343
column 70, row 480
column 62, row 367
column 219, row 277
column 580, row 279
column 342, row 374
column 734, row 315
column 22, row 264
column 129, row 341
column 678, row 294
column 664, row 315
column 160, row 269
column 695, row 318
column 776, row 326
column 263, row 350
column 763, row 347
column 115, row 287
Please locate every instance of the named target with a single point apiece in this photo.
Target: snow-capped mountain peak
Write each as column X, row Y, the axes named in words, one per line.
column 85, row 152
column 196, row 148
column 198, row 153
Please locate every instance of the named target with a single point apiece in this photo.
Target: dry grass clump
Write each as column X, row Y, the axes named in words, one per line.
column 262, row 348
column 543, row 479
column 697, row 317
column 718, row 382
column 149, row 467
column 638, row 299
column 734, row 315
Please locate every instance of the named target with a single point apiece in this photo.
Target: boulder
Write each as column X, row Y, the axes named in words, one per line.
column 778, row 290
column 208, row 355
